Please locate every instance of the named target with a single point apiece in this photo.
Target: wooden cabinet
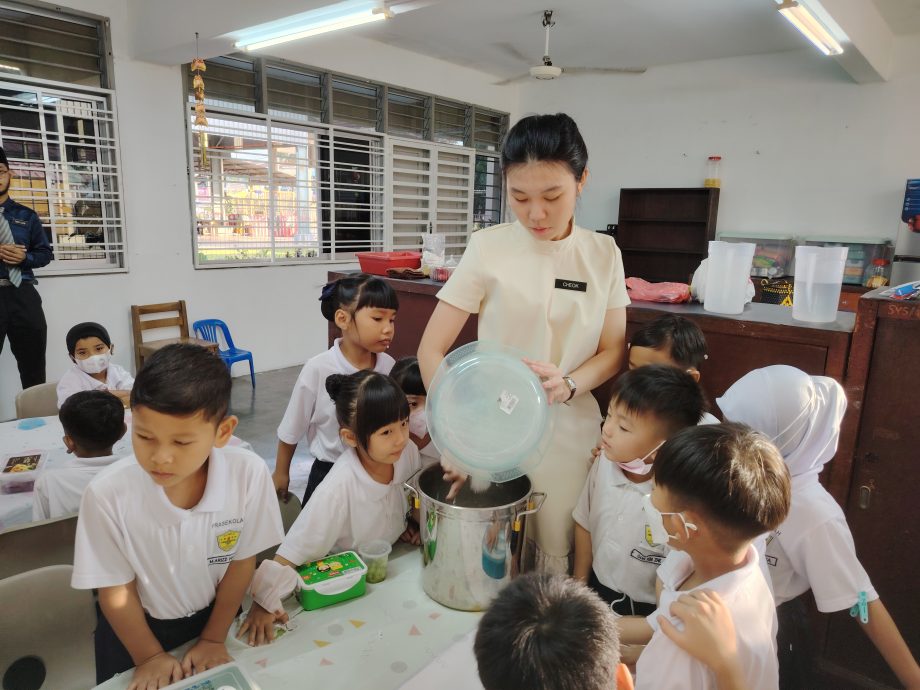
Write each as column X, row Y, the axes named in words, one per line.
column 664, row 233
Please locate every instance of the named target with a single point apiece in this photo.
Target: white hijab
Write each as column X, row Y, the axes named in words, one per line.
column 800, row 413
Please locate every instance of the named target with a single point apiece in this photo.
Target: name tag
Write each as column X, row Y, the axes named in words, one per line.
column 575, row 285
column 17, row 221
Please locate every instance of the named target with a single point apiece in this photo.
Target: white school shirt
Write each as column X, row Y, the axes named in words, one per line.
column 129, row 530
column 816, row 551
column 708, row 418
column 59, row 489
column 76, row 380
column 350, row 508
column 311, row 411
column 610, row 508
column 665, row 666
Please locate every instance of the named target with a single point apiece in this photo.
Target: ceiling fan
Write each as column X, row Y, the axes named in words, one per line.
column 548, row 70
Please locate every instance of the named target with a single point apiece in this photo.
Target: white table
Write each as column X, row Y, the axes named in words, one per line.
column 16, row 509
column 378, row 641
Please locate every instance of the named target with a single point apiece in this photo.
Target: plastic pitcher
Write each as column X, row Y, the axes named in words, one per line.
column 727, row 276
column 818, row 277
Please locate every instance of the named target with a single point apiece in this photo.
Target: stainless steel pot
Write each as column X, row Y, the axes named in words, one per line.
column 471, row 545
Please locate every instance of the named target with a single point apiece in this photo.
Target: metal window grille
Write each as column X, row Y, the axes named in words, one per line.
column 268, row 192
column 355, row 105
column 293, row 94
column 487, row 191
column 407, row 114
column 488, row 129
column 231, row 83
column 63, row 150
column 46, row 44
column 450, row 122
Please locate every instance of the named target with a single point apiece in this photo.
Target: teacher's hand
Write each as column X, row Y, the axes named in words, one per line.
column 556, row 389
column 12, row 254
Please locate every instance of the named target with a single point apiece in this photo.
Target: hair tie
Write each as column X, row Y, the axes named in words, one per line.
column 328, row 290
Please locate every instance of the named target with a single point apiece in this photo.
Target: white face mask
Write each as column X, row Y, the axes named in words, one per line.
column 96, row 363
column 639, row 466
column 418, row 422
column 656, row 522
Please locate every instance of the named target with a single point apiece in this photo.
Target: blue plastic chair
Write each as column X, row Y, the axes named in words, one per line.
column 215, row 329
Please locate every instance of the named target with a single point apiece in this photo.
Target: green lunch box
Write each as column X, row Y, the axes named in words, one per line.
column 332, row 579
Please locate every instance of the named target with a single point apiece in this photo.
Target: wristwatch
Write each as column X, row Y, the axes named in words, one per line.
column 570, row 382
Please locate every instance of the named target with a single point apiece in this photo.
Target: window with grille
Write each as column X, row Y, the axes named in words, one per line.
column 407, row 115
column 294, row 94
column 487, row 191
column 46, row 44
column 63, row 152
column 355, row 105
column 450, row 124
column 230, row 82
column 269, row 192
column 488, row 129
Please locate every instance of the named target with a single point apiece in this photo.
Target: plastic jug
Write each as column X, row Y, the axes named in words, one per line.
column 818, row 278
column 727, row 276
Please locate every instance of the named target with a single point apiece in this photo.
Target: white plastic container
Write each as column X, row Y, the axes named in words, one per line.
column 729, row 268
column 19, row 471
column 818, row 279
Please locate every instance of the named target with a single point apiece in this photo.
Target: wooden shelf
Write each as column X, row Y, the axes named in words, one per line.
column 663, row 220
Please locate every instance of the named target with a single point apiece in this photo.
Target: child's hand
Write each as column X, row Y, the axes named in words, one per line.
column 456, row 478
column 260, row 624
column 595, row 453
column 203, row 655
column 557, row 390
column 281, row 481
column 411, row 535
column 709, row 633
column 158, row 671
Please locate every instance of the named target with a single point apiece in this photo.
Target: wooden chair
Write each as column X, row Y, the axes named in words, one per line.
column 37, row 544
column 37, row 401
column 47, row 638
column 143, row 349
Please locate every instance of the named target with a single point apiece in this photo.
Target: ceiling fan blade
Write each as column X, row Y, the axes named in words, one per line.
column 519, row 77
column 604, row 70
column 512, row 51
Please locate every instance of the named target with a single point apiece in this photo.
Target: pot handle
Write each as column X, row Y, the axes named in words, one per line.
column 410, row 484
column 537, row 498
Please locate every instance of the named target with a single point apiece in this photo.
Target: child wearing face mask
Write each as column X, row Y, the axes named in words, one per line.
column 813, row 548
column 406, row 373
column 91, row 349
column 614, row 551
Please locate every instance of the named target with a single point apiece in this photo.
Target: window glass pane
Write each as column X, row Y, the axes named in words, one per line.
column 354, row 105
column 228, row 83
column 406, row 115
column 450, row 122
column 488, row 130
column 297, row 95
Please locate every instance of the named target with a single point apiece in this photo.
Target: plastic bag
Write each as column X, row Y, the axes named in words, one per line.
column 644, row 291
column 433, row 251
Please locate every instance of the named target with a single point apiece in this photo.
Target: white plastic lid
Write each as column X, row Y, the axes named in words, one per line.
column 488, row 413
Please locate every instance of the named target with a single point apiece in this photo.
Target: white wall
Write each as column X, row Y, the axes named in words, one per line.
column 805, row 149
column 271, row 311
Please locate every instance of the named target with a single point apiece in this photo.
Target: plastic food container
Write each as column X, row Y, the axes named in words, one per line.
column 225, row 677
column 377, row 263
column 332, row 579
column 441, row 273
column 862, row 252
column 488, row 413
column 19, row 471
column 375, row 555
column 773, row 255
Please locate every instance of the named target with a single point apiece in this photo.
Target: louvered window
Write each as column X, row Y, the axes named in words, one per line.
column 295, row 95
column 488, row 129
column 355, row 105
column 450, row 123
column 407, row 115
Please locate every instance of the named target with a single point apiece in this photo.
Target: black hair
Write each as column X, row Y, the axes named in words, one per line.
column 95, row 420
column 682, row 338
column 366, row 401
column 670, row 395
column 730, row 473
column 3, row 160
column 182, row 380
column 87, row 329
column 547, row 632
column 408, row 376
column 353, row 293
column 546, row 138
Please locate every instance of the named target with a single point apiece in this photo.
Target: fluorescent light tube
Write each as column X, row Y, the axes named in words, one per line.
column 803, row 20
column 319, row 27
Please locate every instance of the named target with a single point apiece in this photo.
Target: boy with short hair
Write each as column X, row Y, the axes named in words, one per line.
column 93, row 422
column 90, row 349
column 614, row 553
column 171, row 541
column 549, row 632
column 717, row 487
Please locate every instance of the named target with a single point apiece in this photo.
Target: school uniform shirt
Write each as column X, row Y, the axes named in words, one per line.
column 350, row 508
column 610, row 508
column 665, row 666
column 708, row 418
column 548, row 300
column 59, row 489
column 129, row 530
column 813, row 548
column 311, row 411
column 76, row 380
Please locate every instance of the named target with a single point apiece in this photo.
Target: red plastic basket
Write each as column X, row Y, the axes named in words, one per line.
column 377, row 263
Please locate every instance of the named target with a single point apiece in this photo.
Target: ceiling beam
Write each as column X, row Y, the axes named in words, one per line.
column 868, row 55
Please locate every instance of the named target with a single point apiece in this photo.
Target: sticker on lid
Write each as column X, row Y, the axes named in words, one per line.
column 507, row 402
column 329, row 568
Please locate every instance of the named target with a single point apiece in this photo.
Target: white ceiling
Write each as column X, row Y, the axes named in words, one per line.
column 505, row 37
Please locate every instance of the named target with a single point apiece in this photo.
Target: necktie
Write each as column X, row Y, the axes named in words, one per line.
column 6, row 237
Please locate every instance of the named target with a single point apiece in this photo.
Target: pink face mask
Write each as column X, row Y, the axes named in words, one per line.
column 639, row 466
